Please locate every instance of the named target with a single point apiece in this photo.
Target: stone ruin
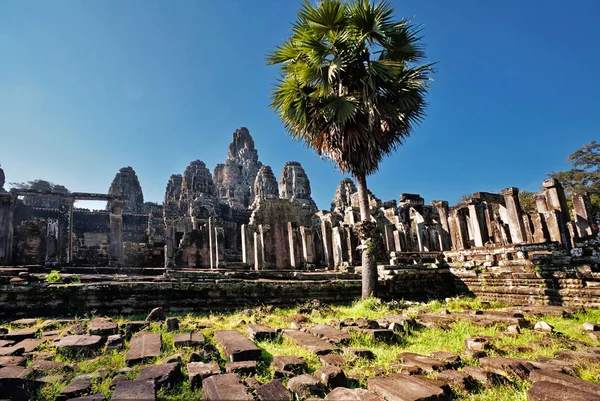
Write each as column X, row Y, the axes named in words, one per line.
column 240, row 216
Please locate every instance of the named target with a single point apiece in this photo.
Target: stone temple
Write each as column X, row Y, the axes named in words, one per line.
column 243, row 219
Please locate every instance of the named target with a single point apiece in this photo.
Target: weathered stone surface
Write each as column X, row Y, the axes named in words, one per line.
column 45, row 367
column 172, row 323
column 93, row 397
column 260, row 333
column 332, row 360
column 305, row 385
column 47, row 187
column 485, row 377
column 81, row 385
column 143, row 345
column 274, row 391
column 224, row 387
column 360, row 353
column 197, row 186
column 265, row 186
column 576, row 356
column 310, row 342
column 236, row 346
column 15, row 383
column 102, row 327
column 30, row 344
column 331, row 377
column 80, row 343
column 343, row 196
column 241, row 367
column 355, row 394
column 515, row 367
column 459, row 380
column 425, row 363
column 134, row 390
column 126, row 187
column 293, row 364
column 401, row 387
column 235, row 179
column 24, row 322
column 6, row 343
column 589, row 326
column 547, row 391
column 543, row 327
column 295, row 186
column 156, row 315
column 11, row 351
column 208, row 353
column 198, row 371
column 163, row 375
column 329, row 333
column 114, row 343
column 544, row 375
column 477, row 344
column 448, row 357
column 21, row 334
column 188, row 340
column 380, row 334
column 12, row 360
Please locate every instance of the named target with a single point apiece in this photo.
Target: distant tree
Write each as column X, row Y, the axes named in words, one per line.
column 527, row 201
column 464, row 197
column 352, row 88
column 585, row 174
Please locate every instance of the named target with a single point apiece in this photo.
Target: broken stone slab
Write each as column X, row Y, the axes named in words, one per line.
column 274, row 391
column 405, row 368
column 80, row 386
column 12, row 360
column 224, row 387
column 293, row 364
column 547, row 391
column 134, row 326
column 460, row 380
column 543, row 375
column 260, row 333
column 448, row 357
column 31, row 344
column 45, row 367
column 21, row 334
column 332, row 360
column 485, row 377
column 399, row 387
column 156, row 315
column 6, row 343
column 80, row 343
column 236, row 346
column 15, row 383
column 517, row 368
column 103, row 327
column 380, row 334
column 188, row 340
column 241, row 368
column 360, row 353
column 331, row 377
column 198, row 371
column 354, row 394
column 172, row 324
column 11, row 351
column 143, row 345
column 24, row 322
column 575, row 356
column 114, row 343
column 305, row 385
column 589, row 326
column 252, row 382
column 543, row 327
column 134, row 390
column 310, row 342
column 329, row 333
column 363, row 323
column 93, row 397
column 424, row 362
column 208, row 353
column 164, row 375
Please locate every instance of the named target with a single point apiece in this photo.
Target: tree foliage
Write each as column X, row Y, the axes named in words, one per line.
column 584, row 176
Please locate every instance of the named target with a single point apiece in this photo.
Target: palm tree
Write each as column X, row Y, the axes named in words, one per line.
column 352, row 89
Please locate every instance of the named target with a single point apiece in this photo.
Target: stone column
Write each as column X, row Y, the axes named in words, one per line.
column 266, row 244
column 582, row 210
column 219, row 247
column 557, row 201
column 388, row 231
column 514, row 215
column 247, row 240
column 326, row 235
column 258, row 251
column 442, row 208
column 458, row 229
column 116, row 232
column 307, row 245
column 540, row 202
column 170, row 242
column 294, row 245
column 337, row 248
column 7, row 208
column 478, row 223
column 397, row 242
column 540, row 234
column 211, row 241
column 52, row 242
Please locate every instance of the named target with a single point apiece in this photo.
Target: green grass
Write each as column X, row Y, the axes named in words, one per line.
column 418, row 339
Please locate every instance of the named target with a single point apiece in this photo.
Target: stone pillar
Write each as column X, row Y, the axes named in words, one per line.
column 211, row 241
column 582, row 211
column 116, row 232
column 442, row 208
column 527, row 223
column 552, row 220
column 397, row 242
column 258, row 251
column 247, row 240
column 351, row 241
column 338, row 258
column 540, row 202
column 52, row 242
column 266, row 243
column 170, row 242
column 458, row 229
column 307, row 245
column 327, row 236
column 219, row 247
column 7, row 208
column 557, row 201
column 294, row 245
column 514, row 215
column 478, row 223
column 540, row 234
column 388, row 231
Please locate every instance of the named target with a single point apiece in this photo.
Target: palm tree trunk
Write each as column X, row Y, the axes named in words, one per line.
column 369, row 268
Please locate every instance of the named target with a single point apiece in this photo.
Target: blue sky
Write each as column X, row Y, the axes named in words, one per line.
column 87, row 87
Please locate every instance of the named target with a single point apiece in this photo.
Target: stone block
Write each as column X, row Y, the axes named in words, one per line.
column 236, row 346
column 224, row 387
